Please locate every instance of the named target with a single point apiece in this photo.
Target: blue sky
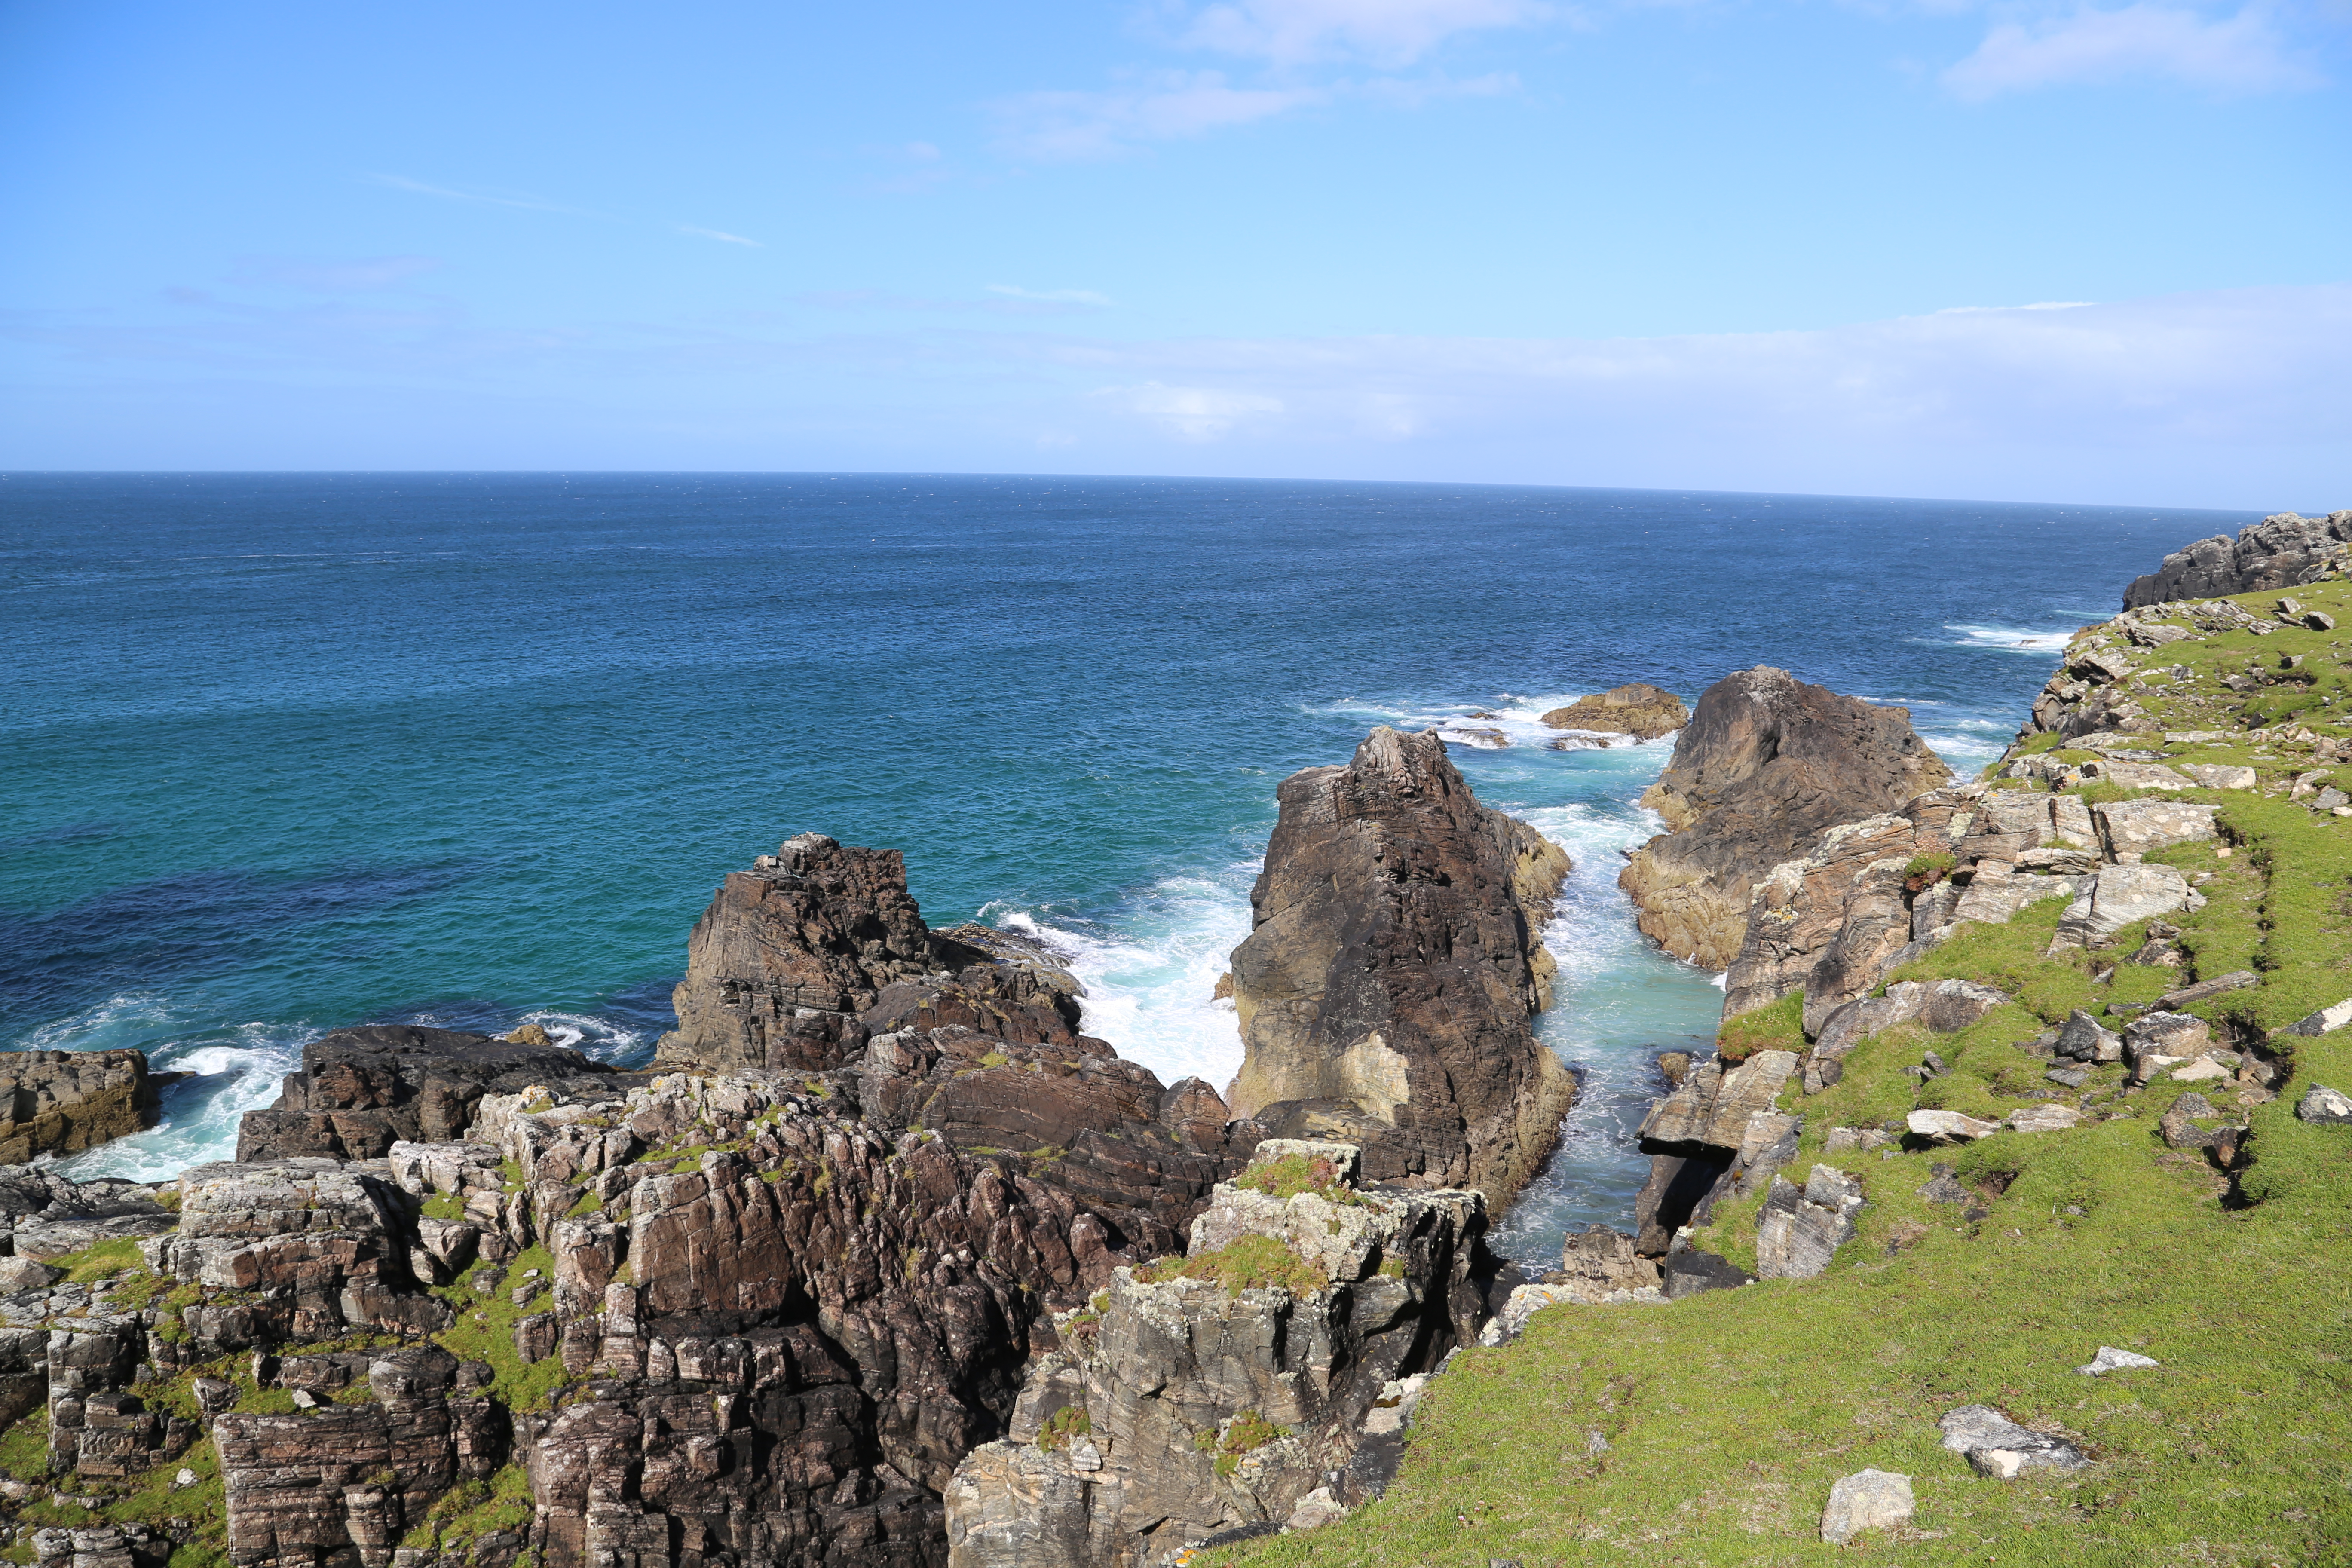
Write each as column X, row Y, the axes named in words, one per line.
column 2033, row 249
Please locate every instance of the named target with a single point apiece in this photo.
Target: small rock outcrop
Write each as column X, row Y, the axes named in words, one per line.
column 1868, row 1500
column 1387, row 989
column 2283, row 551
column 1799, row 1229
column 1264, row 1379
column 1766, row 764
column 1719, row 1134
column 61, row 1102
column 1639, row 709
column 1995, row 1446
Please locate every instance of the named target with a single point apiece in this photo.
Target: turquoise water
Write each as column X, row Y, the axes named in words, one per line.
column 288, row 752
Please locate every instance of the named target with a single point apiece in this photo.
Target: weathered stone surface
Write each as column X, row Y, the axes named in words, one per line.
column 1641, row 711
column 1949, row 1126
column 1713, row 1106
column 1801, row 1228
column 2141, row 826
column 2327, row 1020
column 1766, row 763
column 818, row 947
column 2325, row 1106
column 359, row 1090
column 1687, row 1271
column 60, row 1102
column 2117, row 896
column 1205, row 1409
column 2082, row 1038
column 1868, row 1501
column 2110, row 1359
column 1996, row 1445
column 2219, row 775
column 2282, row 551
column 1601, row 1265
column 1395, row 963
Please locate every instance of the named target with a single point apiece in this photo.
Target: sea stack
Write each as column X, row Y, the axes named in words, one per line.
column 1767, row 763
column 1639, row 709
column 1388, row 988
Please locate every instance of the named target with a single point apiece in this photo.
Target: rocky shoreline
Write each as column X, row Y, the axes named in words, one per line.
column 887, row 1261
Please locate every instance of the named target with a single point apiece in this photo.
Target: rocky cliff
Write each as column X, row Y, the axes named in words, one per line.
column 1766, row 763
column 1265, row 1379
column 2283, row 551
column 61, row 1102
column 1395, row 963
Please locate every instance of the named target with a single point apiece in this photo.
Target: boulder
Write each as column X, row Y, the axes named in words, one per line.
column 1386, row 991
column 1996, row 1445
column 1765, row 765
column 1868, row 1501
column 1686, row 1271
column 2327, row 1020
column 2110, row 1359
column 1643, row 711
column 1949, row 1126
column 2140, row 826
column 1801, row 1228
column 61, row 1102
column 2084, row 1038
column 2118, row 896
column 2328, row 1107
column 2282, row 551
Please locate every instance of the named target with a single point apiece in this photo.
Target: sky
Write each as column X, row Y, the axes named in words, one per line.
column 2007, row 249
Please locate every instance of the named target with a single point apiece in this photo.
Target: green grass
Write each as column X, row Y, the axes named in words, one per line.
column 1250, row 1261
column 100, row 1261
column 485, row 1331
column 1775, row 1026
column 1292, row 1174
column 472, row 1509
column 25, row 1448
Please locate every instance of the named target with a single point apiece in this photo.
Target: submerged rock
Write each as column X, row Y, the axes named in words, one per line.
column 1639, row 709
column 1387, row 990
column 1766, row 763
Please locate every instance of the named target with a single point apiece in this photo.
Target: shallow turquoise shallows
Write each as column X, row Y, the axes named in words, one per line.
column 288, row 752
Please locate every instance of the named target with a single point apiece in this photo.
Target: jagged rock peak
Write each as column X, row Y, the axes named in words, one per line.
column 1386, row 991
column 818, row 947
column 2283, row 551
column 1766, row 763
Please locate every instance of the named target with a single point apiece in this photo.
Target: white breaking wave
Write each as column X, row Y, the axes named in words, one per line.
column 234, row 1069
column 1150, row 976
column 1519, row 719
column 2011, row 639
column 591, row 1035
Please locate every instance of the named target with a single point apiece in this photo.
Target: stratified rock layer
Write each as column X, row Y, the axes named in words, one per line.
column 60, row 1102
column 2282, row 551
column 1766, row 764
column 1387, row 990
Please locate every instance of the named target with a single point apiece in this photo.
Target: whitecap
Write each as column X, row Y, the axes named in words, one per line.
column 2010, row 639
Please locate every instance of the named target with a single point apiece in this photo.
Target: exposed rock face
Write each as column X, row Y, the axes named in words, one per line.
column 360, row 1090
column 1386, row 990
column 1179, row 1408
column 1641, row 711
column 2281, row 552
column 1801, row 1228
column 801, row 960
column 1766, row 764
column 1718, row 1134
column 60, row 1102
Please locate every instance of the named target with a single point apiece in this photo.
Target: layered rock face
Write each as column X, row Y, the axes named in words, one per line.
column 706, row 1319
column 2280, row 552
column 1766, row 764
column 1185, row 1410
column 60, row 1102
column 801, row 960
column 1387, row 989
column 1639, row 709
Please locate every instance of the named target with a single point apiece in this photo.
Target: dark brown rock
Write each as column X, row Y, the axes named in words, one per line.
column 363, row 1090
column 1638, row 709
column 1766, row 763
column 1388, row 988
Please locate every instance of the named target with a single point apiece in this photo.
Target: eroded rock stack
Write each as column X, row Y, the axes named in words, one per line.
column 1766, row 764
column 1639, row 709
column 2283, row 551
column 1387, row 989
column 61, row 1102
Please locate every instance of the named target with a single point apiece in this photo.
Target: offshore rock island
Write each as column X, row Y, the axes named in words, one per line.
column 2008, row 1206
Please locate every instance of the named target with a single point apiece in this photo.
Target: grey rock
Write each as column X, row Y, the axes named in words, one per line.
column 1870, row 1500
column 2283, row 551
column 2110, row 1359
column 1940, row 1188
column 2141, row 826
column 2326, row 1021
column 2118, row 896
column 1948, row 1126
column 1801, row 1229
column 2070, row 1078
column 1687, row 1271
column 2324, row 1106
column 1995, row 1446
column 20, row 1274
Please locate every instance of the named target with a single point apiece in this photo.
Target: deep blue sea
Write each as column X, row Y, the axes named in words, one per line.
column 279, row 752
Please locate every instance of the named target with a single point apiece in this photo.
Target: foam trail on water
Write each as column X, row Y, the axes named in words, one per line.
column 1150, row 969
column 2010, row 639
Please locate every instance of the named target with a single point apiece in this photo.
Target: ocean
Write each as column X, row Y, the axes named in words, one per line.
column 285, row 751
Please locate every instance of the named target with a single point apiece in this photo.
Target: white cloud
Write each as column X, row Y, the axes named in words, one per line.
column 1050, row 296
column 1190, row 413
column 481, row 198
column 1387, row 32
column 720, row 234
column 2237, row 54
column 1165, row 106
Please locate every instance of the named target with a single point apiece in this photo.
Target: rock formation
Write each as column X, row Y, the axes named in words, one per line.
column 2282, row 551
column 1641, row 711
column 1266, row 1380
column 1766, row 764
column 61, row 1102
column 701, row 1319
column 1387, row 988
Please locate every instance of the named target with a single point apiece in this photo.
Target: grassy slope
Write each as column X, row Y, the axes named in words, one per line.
column 1726, row 1417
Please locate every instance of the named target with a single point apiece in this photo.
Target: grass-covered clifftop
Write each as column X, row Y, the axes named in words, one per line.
column 1708, row 1431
